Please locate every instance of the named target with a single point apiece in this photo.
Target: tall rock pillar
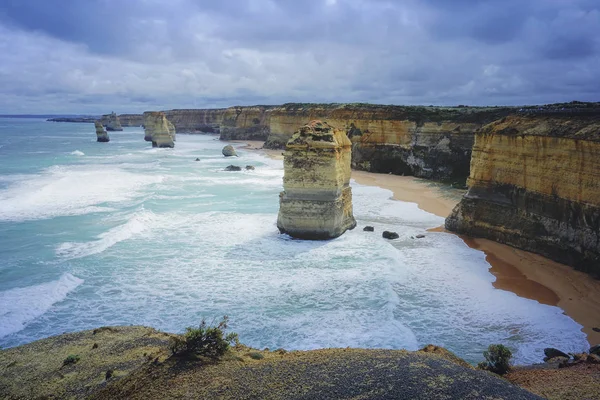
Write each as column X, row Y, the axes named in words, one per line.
column 101, row 134
column 112, row 122
column 316, row 202
column 158, row 129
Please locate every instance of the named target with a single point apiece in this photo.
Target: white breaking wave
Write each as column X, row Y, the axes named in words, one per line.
column 70, row 190
column 22, row 305
column 138, row 223
column 78, row 153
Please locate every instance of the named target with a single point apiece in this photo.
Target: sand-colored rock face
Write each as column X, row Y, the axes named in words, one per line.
column 158, row 129
column 101, row 134
column 111, row 122
column 429, row 142
column 535, row 184
column 131, row 119
column 317, row 200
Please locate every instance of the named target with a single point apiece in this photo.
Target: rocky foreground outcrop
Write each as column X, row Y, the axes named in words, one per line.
column 158, row 129
column 111, row 122
column 134, row 362
column 101, row 134
column 535, row 184
column 316, row 202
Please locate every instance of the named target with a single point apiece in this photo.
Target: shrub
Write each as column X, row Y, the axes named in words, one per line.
column 71, row 359
column 205, row 340
column 256, row 355
column 497, row 359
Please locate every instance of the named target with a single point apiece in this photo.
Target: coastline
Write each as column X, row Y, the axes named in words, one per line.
column 526, row 274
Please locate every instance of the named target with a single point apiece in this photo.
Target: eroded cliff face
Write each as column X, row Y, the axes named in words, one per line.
column 101, row 134
column 535, row 184
column 429, row 142
column 158, row 129
column 129, row 120
column 194, row 121
column 317, row 199
column 111, row 122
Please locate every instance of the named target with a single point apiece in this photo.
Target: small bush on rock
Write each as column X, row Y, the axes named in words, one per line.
column 71, row 359
column 497, row 359
column 205, row 340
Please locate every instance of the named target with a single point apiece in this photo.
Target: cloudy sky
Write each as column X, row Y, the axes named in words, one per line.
column 94, row 56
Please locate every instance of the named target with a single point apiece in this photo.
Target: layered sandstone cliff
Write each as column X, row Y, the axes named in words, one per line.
column 101, row 134
column 535, row 184
column 130, row 120
column 317, row 200
column 429, row 142
column 111, row 122
column 158, row 129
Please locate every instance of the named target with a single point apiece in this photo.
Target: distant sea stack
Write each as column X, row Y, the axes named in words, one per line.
column 158, row 129
column 111, row 122
column 101, row 134
column 316, row 203
column 535, row 185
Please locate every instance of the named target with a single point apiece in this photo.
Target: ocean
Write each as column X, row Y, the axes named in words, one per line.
column 119, row 233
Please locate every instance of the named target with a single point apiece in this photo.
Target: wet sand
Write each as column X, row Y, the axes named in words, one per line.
column 526, row 274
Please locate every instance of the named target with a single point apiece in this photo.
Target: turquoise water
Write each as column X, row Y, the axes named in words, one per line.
column 116, row 233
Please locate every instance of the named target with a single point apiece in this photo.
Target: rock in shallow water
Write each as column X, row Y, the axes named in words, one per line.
column 229, row 151
column 369, row 229
column 390, row 235
column 233, row 168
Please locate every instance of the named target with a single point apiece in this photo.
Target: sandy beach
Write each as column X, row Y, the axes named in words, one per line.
column 526, row 274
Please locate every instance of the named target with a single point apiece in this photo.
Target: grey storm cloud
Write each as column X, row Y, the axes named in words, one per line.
column 97, row 55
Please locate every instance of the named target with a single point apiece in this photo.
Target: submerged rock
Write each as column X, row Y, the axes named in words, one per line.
column 229, row 151
column 111, row 122
column 250, row 167
column 156, row 127
column 369, row 229
column 101, row 134
column 317, row 200
column 390, row 235
column 233, row 168
column 421, row 236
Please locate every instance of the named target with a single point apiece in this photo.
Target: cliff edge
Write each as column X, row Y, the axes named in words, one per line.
column 135, row 363
column 535, row 184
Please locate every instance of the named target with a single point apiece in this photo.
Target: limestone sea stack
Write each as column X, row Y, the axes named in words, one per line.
column 316, row 203
column 535, row 185
column 171, row 130
column 101, row 134
column 156, row 127
column 111, row 122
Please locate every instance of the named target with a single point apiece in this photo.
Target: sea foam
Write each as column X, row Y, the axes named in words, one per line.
column 22, row 305
column 70, row 190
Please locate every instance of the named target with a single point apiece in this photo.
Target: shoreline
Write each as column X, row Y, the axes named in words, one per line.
column 526, row 274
